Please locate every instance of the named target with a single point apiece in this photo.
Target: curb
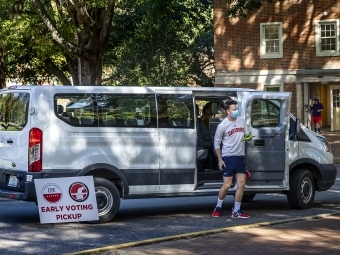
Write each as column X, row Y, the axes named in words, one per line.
column 197, row 234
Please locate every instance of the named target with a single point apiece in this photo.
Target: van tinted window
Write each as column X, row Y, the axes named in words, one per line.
column 77, row 109
column 175, row 111
column 13, row 111
column 127, row 110
column 107, row 110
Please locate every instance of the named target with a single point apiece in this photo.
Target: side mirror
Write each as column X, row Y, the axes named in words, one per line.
column 298, row 128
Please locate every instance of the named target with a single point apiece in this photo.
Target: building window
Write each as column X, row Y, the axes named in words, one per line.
column 271, row 40
column 327, row 37
column 272, row 87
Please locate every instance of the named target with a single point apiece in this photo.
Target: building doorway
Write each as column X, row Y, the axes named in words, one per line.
column 335, row 107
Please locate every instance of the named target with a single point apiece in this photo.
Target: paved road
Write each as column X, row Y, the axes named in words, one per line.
column 21, row 233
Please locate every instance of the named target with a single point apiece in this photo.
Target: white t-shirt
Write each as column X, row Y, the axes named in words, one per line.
column 231, row 133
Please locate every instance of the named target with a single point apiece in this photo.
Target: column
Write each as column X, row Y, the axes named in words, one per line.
column 299, row 101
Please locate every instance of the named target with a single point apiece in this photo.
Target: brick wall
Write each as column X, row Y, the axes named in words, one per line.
column 244, row 85
column 237, row 41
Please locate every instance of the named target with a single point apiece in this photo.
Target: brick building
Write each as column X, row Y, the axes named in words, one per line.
column 290, row 46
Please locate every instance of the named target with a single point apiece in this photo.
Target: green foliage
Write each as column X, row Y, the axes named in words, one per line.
column 28, row 47
column 152, row 42
column 243, row 8
column 155, row 43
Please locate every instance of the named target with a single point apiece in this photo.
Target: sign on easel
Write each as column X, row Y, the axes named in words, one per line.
column 70, row 199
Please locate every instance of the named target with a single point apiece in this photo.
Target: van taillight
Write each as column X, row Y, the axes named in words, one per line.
column 35, row 150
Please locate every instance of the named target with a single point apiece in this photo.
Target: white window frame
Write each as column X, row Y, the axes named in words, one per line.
column 263, row 53
column 266, row 85
column 320, row 53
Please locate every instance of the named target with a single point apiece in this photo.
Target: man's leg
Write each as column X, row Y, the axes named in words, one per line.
column 318, row 125
column 314, row 125
column 241, row 182
column 227, row 181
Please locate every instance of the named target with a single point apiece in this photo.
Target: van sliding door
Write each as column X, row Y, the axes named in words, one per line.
column 177, row 141
column 267, row 117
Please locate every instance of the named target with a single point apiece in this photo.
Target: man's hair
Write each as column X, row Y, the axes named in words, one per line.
column 228, row 103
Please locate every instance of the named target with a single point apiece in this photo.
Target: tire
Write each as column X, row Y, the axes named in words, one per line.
column 108, row 199
column 248, row 198
column 302, row 190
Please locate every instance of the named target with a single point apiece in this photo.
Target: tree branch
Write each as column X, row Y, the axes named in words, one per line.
column 107, row 23
column 52, row 69
column 55, row 33
column 82, row 14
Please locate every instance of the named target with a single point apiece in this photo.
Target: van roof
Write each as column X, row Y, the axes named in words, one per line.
column 127, row 89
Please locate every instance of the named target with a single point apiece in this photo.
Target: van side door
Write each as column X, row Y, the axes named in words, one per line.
column 177, row 141
column 267, row 118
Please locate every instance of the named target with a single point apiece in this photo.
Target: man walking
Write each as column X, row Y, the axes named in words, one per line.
column 231, row 160
column 316, row 109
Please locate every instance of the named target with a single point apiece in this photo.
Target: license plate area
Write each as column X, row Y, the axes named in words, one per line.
column 12, row 181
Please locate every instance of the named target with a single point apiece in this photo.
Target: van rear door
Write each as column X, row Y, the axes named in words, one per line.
column 14, row 130
column 267, row 117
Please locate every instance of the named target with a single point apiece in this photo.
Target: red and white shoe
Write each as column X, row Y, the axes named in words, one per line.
column 239, row 214
column 217, row 212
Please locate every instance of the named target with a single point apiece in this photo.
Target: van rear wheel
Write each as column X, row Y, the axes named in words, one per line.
column 302, row 189
column 108, row 199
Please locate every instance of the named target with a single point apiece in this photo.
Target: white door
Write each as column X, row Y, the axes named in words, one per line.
column 335, row 107
column 14, row 130
column 267, row 116
column 177, row 142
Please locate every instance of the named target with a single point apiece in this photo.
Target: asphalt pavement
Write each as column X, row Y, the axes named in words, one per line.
column 313, row 234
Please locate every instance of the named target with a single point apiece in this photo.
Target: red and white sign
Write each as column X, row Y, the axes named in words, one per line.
column 52, row 193
column 69, row 199
column 79, row 191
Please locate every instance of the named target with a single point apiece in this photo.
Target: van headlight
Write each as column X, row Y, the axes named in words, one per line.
column 325, row 143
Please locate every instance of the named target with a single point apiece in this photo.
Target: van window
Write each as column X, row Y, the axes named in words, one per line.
column 106, row 110
column 127, row 110
column 264, row 114
column 77, row 109
column 175, row 111
column 14, row 111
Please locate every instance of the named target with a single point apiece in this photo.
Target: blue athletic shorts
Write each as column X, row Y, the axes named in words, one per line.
column 233, row 165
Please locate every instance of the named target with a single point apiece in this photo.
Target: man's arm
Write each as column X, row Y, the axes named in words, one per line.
column 321, row 107
column 217, row 144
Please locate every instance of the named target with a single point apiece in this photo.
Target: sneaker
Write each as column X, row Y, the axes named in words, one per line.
column 216, row 212
column 240, row 214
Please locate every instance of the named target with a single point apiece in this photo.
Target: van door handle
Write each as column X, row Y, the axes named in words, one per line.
column 10, row 141
column 267, row 136
column 259, row 142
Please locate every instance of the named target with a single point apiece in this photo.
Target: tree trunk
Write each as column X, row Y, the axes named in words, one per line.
column 2, row 69
column 91, row 72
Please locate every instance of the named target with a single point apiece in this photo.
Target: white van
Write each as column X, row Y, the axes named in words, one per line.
column 140, row 142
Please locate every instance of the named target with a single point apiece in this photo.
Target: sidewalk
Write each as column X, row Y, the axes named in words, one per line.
column 334, row 140
column 309, row 235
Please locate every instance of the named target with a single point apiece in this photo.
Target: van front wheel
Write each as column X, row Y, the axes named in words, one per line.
column 302, row 189
column 108, row 199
